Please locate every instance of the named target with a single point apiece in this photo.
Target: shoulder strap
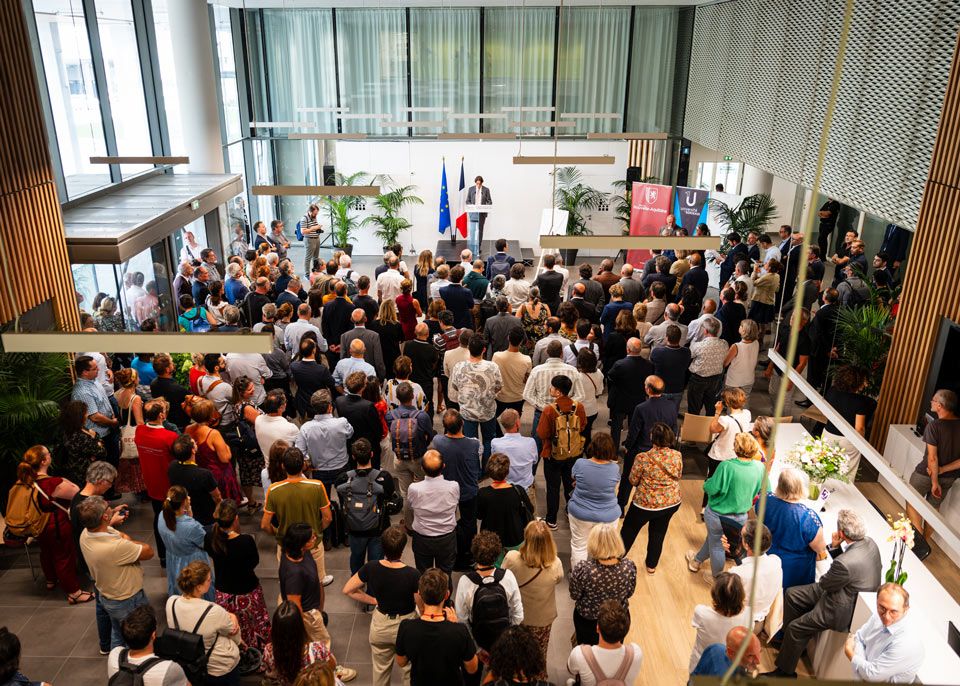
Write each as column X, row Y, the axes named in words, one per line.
column 49, row 499
column 203, row 616
column 625, row 665
column 499, row 574
column 591, row 659
column 531, row 579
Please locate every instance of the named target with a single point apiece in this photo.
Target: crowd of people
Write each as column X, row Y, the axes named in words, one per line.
column 389, row 413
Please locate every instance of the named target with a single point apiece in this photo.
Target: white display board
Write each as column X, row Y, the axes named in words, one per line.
column 731, row 199
column 553, row 223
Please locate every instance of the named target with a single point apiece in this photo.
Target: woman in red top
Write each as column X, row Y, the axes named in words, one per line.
column 213, row 453
column 372, row 393
column 408, row 308
column 196, row 371
column 57, row 551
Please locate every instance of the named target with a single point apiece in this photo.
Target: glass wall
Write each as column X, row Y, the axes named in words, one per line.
column 168, row 77
column 651, row 89
column 228, row 74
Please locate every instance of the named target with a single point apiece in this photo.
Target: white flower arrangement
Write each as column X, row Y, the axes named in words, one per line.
column 818, row 459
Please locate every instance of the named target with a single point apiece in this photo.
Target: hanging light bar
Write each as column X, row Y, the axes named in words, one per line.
column 528, row 109
column 147, row 159
column 363, row 116
column 460, row 115
column 128, row 342
column 591, row 115
column 323, row 109
column 327, row 136
column 543, row 124
column 283, row 125
column 310, row 191
column 631, row 136
column 424, row 109
column 411, row 124
column 477, row 136
column 564, row 159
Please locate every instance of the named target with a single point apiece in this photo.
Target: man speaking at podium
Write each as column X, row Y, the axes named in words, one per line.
column 478, row 195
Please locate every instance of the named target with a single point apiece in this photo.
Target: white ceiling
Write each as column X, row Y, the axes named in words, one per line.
column 300, row 4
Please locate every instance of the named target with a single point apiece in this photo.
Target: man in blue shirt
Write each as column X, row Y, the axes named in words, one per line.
column 461, row 463
column 717, row 658
column 888, row 647
column 100, row 415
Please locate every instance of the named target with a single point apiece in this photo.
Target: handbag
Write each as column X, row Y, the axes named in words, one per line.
column 525, row 514
column 186, row 647
column 128, row 446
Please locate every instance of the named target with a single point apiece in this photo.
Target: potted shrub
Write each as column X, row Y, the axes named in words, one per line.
column 343, row 222
column 577, row 199
column 863, row 341
column 389, row 224
column 752, row 214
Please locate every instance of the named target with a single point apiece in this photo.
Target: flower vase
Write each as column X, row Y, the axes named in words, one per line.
column 814, row 490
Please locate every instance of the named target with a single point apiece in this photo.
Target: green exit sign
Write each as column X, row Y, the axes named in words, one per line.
column 195, row 205
column 727, row 158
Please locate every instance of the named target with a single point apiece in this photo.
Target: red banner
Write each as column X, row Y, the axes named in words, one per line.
column 649, row 207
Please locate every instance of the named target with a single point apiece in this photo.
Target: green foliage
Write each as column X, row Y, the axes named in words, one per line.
column 863, row 341
column 182, row 362
column 343, row 220
column 389, row 223
column 577, row 199
column 753, row 213
column 32, row 388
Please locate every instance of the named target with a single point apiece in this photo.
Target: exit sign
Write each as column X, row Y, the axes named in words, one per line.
column 195, row 205
column 727, row 158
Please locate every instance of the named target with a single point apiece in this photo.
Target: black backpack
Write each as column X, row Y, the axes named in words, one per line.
column 129, row 674
column 490, row 614
column 186, row 647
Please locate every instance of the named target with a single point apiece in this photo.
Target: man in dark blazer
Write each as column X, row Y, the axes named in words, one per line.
column 737, row 252
column 823, row 333
column 632, row 288
column 895, row 242
column 655, row 408
column 829, row 603
column 593, row 292
column 550, row 283
column 624, row 390
column 478, row 195
column 791, row 267
column 498, row 327
column 373, row 351
column 362, row 415
column 753, row 247
column 585, row 310
column 336, row 317
column 696, row 276
column 459, row 299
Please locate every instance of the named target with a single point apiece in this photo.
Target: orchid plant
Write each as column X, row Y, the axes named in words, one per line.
column 901, row 533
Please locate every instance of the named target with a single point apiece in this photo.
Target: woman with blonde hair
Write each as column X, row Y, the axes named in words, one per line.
column 422, row 273
column 392, row 331
column 763, row 430
column 196, row 372
column 796, row 530
column 538, row 571
column 129, row 474
column 643, row 326
column 182, row 535
column 741, row 359
column 730, row 493
column 107, row 316
column 605, row 575
column 58, row 557
column 213, row 453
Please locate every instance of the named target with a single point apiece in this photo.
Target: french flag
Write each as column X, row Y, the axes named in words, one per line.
column 462, row 213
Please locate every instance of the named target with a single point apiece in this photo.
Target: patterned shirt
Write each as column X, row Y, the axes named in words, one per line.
column 91, row 393
column 591, row 583
column 477, row 385
column 656, row 474
column 706, row 357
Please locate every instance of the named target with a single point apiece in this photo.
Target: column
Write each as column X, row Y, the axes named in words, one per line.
column 196, row 84
column 930, row 290
column 756, row 181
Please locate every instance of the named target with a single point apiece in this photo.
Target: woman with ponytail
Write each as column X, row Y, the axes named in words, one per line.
column 291, row 650
column 53, row 494
column 235, row 559
column 182, row 535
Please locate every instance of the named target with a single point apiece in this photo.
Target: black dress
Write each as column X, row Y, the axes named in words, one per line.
column 391, row 336
column 614, row 350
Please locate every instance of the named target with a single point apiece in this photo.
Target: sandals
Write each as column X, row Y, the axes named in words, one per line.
column 51, row 585
column 80, row 597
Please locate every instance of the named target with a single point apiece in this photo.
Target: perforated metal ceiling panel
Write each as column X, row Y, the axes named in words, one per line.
column 760, row 73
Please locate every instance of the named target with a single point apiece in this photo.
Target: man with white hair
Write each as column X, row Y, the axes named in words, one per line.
column 632, row 289
column 657, row 334
column 233, row 287
column 829, row 602
column 294, row 331
column 466, row 260
column 695, row 331
column 888, row 647
column 388, row 283
column 566, row 274
column 345, row 271
column 706, row 368
column 181, row 284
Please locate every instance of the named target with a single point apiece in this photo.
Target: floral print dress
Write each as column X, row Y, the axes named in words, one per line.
column 535, row 327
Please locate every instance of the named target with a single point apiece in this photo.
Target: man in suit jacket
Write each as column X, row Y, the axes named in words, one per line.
column 829, row 603
column 895, row 241
column 478, row 195
column 696, row 276
column 632, row 288
column 459, row 299
column 791, row 266
column 737, row 252
column 550, row 283
column 624, row 392
column 656, row 408
column 593, row 291
column 373, row 352
column 362, row 414
column 823, row 332
column 753, row 247
column 498, row 328
column 585, row 310
column 336, row 317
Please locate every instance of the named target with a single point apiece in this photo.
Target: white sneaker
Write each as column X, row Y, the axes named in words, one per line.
column 345, row 674
column 693, row 564
column 708, row 577
column 328, row 579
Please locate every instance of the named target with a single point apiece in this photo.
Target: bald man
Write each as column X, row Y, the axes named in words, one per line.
column 354, row 363
column 606, row 277
column 656, row 408
column 425, row 359
column 373, row 351
column 695, row 331
column 434, row 504
column 717, row 658
column 585, row 309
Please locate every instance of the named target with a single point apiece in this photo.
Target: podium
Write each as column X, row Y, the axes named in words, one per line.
column 473, row 239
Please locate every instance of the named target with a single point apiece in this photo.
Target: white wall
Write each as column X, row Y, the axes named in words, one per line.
column 520, row 192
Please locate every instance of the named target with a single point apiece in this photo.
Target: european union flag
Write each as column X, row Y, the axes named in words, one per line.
column 444, row 201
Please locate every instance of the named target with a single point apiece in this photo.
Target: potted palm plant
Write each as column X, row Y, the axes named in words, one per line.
column 863, row 340
column 343, row 220
column 753, row 213
column 577, row 199
column 389, row 224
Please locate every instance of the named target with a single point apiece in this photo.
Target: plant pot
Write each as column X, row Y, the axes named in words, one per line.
column 386, row 249
column 814, row 490
column 569, row 256
column 348, row 248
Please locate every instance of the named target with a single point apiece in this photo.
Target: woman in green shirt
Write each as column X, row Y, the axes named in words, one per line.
column 730, row 493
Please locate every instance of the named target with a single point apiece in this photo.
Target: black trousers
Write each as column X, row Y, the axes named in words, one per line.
column 659, row 521
column 803, row 618
column 435, row 551
column 616, row 425
column 711, row 468
column 557, row 472
column 703, row 391
column 157, row 506
column 466, row 530
column 586, row 629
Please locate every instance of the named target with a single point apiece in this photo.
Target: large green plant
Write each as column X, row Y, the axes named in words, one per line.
column 389, row 223
column 577, row 199
column 343, row 220
column 753, row 213
column 863, row 340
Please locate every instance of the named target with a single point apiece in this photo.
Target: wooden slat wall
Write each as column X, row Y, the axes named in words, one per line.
column 31, row 224
column 932, row 282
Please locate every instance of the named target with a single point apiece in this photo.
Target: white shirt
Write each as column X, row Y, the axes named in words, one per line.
column 466, row 590
column 608, row 660
column 772, row 253
column 712, row 627
column 566, row 278
column 269, row 430
column 696, row 333
column 435, row 287
column 537, row 390
column 101, row 361
column 451, row 359
column 434, row 503
column 742, row 370
column 164, row 673
column 517, row 291
column 252, row 366
column 522, row 451
column 734, row 423
column 592, row 390
column 388, row 283
column 892, row 654
column 571, row 358
column 769, row 582
column 293, row 333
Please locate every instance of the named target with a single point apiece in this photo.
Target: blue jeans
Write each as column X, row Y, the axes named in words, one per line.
column 364, row 549
column 713, row 547
column 536, row 438
column 473, row 236
column 473, row 428
column 118, row 610
column 104, row 626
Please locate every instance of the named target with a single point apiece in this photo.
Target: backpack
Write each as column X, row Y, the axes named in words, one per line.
column 186, row 647
column 858, row 296
column 619, row 677
column 298, row 232
column 360, row 497
column 24, row 518
column 405, row 439
column 352, row 289
column 129, row 674
column 488, row 308
column 567, row 437
column 490, row 613
column 198, row 323
column 500, row 267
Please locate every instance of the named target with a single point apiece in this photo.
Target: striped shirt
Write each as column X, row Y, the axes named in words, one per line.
column 92, row 394
column 307, row 222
